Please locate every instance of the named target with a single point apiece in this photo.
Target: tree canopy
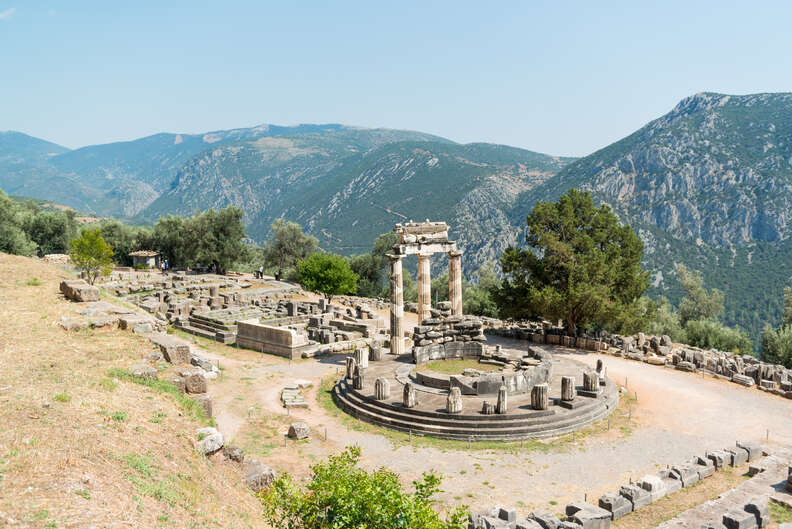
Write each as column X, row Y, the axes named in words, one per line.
column 91, row 254
column 582, row 266
column 287, row 245
column 328, row 274
column 340, row 495
column 698, row 303
column 27, row 229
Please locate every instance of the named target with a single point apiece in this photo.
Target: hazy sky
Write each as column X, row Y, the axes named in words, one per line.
column 564, row 78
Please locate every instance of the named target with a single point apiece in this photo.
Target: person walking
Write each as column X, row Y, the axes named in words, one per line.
column 261, row 272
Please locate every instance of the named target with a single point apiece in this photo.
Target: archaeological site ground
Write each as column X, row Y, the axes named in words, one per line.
column 171, row 400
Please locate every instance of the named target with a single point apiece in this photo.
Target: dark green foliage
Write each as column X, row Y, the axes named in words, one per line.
column 709, row 334
column 698, row 303
column 26, row 228
column 583, row 266
column 91, row 254
column 777, row 345
column 286, row 246
column 125, row 239
column 216, row 237
column 328, row 274
column 665, row 320
column 340, row 495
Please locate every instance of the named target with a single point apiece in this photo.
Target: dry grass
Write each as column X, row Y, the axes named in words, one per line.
column 670, row 506
column 80, row 447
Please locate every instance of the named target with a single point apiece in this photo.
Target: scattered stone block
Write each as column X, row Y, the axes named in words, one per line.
column 143, row 328
column 234, row 453
column 545, row 520
column 636, row 495
column 74, row 324
column 178, row 354
column 144, row 371
column 527, row 523
column 194, row 380
column 80, row 291
column 739, row 520
column 299, row 431
column 737, row 456
column 704, row 466
column 588, row 516
column 686, row 474
column 654, row 486
column 754, row 449
column 615, row 504
column 743, row 380
column 760, row 511
column 209, row 440
column 719, row 458
column 258, row 476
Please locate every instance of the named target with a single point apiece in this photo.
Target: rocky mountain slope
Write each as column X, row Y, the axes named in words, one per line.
column 709, row 184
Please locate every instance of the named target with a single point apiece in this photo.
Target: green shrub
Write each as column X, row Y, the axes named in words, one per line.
column 340, row 495
column 777, row 345
column 709, row 334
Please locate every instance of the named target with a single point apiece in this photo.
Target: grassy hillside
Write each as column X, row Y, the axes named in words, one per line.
column 86, row 448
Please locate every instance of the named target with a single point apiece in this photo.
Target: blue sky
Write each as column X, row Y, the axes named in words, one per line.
column 564, row 78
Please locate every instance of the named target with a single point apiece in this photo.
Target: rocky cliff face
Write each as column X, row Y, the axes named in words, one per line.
column 717, row 168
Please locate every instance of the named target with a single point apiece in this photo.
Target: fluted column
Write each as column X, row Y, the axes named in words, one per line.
column 397, row 305
column 455, row 282
column 424, row 288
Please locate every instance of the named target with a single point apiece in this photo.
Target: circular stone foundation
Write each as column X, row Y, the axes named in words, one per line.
column 521, row 420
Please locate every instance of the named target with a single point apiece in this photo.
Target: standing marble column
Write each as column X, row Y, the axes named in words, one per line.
column 424, row 288
column 397, row 305
column 455, row 282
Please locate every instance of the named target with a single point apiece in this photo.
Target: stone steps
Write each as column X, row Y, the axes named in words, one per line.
column 481, row 427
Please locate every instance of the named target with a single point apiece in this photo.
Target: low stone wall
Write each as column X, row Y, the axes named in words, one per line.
column 745, row 370
column 635, row 496
column 265, row 338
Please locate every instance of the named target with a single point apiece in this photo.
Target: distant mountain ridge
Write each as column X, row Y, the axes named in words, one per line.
column 708, row 184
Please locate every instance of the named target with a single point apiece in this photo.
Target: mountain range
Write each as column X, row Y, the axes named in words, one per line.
column 709, row 184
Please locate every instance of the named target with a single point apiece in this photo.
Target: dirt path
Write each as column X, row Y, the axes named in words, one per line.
column 677, row 414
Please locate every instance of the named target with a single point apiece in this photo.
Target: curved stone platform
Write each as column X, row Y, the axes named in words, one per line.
column 430, row 418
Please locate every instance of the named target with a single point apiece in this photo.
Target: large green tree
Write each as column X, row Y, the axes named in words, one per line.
column 328, row 274
column 582, row 266
column 217, row 237
column 91, row 254
column 340, row 495
column 287, row 245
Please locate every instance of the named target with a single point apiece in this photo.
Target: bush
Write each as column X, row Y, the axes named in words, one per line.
column 777, row 345
column 340, row 495
column 709, row 334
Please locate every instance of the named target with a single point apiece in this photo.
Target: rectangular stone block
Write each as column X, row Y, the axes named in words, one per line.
column 719, row 458
column 737, row 456
column 588, row 516
column 754, row 449
column 616, row 504
column 739, row 520
column 654, row 486
column 636, row 495
column 687, row 474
